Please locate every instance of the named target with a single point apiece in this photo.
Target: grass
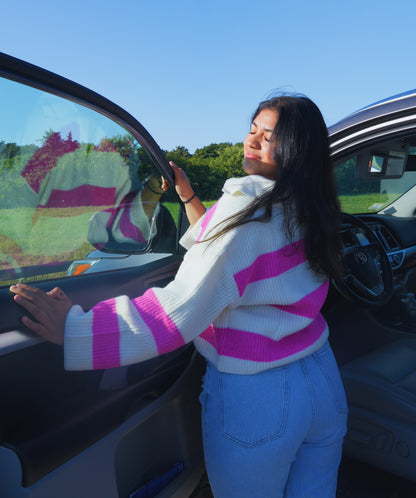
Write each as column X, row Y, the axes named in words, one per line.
column 365, row 203
column 40, row 237
column 173, row 208
column 354, row 204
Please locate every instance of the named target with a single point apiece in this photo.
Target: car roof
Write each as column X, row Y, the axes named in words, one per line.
column 396, row 113
column 385, row 107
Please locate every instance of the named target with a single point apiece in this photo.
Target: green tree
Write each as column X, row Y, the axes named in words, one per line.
column 180, row 156
column 209, row 166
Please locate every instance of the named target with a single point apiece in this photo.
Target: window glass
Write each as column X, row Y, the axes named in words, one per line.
column 77, row 189
column 371, row 182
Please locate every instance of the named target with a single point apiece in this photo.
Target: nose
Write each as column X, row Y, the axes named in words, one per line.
column 252, row 140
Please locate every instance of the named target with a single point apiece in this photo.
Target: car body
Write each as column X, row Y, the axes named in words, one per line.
column 78, row 210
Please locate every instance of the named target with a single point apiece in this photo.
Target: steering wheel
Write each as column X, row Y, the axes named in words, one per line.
column 368, row 276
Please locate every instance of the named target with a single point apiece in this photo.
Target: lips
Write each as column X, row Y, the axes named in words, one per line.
column 250, row 155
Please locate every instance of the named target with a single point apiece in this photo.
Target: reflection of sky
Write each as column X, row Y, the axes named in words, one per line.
column 27, row 113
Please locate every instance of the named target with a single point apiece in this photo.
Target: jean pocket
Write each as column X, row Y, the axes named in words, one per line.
column 254, row 407
column 326, row 362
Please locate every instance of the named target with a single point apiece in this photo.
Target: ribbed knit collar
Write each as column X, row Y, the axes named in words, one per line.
column 250, row 185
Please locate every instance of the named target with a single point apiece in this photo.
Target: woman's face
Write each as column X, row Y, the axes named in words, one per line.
column 259, row 145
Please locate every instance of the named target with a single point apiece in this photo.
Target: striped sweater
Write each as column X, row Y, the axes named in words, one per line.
column 248, row 300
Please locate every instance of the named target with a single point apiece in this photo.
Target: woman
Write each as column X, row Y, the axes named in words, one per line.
column 249, row 294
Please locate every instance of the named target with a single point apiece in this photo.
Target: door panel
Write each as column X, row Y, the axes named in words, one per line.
column 81, row 208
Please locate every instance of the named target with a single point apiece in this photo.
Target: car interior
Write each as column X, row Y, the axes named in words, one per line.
column 371, row 311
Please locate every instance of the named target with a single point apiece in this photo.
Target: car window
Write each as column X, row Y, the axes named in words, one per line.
column 373, row 180
column 77, row 190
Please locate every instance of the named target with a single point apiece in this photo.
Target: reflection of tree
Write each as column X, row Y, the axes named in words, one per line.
column 55, row 191
column 13, row 156
column 127, row 148
column 106, row 145
column 9, row 150
column 46, row 158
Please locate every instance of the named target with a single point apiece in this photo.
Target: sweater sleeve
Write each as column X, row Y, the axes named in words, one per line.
column 121, row 331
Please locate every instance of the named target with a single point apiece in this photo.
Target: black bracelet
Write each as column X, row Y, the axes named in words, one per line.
column 189, row 200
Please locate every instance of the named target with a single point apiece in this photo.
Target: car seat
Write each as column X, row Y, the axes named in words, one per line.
column 381, row 393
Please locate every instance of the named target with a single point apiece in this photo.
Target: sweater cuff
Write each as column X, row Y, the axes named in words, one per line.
column 189, row 238
column 78, row 351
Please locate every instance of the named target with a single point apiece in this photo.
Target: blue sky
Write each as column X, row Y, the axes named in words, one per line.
column 192, row 72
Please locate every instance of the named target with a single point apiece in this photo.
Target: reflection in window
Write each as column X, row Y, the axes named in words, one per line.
column 70, row 190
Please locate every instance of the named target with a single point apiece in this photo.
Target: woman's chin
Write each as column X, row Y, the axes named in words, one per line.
column 249, row 167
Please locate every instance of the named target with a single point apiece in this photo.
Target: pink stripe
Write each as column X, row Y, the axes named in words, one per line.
column 84, row 195
column 106, row 336
column 310, row 305
column 128, row 229
column 255, row 347
column 271, row 265
column 209, row 335
column 167, row 336
column 207, row 218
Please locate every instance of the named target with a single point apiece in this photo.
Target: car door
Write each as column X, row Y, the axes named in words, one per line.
column 81, row 208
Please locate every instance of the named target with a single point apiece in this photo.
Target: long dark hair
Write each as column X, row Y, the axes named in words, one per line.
column 305, row 184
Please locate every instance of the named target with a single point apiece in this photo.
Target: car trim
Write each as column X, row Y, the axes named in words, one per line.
column 370, row 129
column 372, row 132
column 15, row 340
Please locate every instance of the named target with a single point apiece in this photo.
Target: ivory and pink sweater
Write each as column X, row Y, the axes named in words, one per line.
column 249, row 300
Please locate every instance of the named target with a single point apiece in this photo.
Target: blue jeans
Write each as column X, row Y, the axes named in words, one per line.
column 276, row 433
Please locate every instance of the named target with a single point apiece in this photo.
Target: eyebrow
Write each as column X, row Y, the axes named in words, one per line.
column 266, row 129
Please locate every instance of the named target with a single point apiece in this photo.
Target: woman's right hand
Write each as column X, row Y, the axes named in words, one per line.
column 193, row 206
column 182, row 184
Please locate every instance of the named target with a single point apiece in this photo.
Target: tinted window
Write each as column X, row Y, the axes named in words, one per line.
column 75, row 187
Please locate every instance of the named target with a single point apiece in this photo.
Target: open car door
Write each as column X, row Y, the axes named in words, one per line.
column 81, row 208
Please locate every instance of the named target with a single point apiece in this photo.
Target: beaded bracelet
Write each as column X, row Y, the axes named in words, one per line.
column 190, row 199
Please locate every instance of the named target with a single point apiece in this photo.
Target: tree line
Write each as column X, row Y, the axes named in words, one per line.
column 208, row 167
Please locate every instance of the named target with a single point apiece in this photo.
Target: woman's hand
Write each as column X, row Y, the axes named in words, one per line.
column 193, row 206
column 48, row 308
column 182, row 184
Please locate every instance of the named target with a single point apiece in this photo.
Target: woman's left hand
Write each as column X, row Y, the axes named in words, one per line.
column 49, row 309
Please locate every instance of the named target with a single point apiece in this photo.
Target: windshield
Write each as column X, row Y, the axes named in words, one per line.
column 379, row 179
